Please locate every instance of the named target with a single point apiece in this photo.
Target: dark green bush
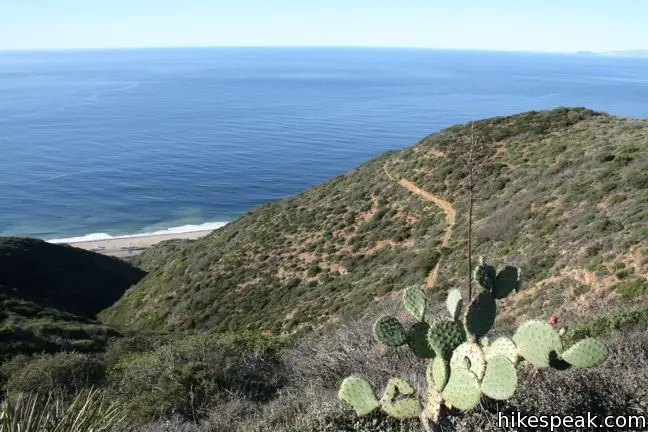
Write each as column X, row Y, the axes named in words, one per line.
column 610, row 322
column 68, row 372
column 188, row 375
column 633, row 288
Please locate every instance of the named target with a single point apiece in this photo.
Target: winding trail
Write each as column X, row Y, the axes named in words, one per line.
column 448, row 209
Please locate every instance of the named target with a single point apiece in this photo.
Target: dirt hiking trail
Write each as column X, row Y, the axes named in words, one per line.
column 448, row 209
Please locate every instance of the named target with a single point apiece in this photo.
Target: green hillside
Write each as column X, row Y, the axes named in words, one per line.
column 62, row 277
column 563, row 196
column 27, row 328
column 203, row 340
column 50, row 295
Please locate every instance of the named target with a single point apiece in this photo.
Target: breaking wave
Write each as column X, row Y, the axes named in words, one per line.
column 174, row 230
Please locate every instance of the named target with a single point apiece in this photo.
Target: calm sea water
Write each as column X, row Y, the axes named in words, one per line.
column 133, row 141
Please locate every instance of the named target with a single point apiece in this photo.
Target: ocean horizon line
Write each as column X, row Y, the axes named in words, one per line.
column 277, row 47
column 182, row 229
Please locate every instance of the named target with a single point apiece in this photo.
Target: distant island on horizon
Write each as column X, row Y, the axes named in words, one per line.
column 625, row 53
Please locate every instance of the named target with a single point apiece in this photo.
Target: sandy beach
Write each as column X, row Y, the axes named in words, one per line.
column 125, row 247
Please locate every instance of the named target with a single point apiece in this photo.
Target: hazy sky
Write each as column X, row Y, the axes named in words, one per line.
column 528, row 25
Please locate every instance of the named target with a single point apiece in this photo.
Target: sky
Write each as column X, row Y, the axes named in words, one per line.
column 510, row 25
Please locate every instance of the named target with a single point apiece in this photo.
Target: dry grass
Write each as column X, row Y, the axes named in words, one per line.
column 320, row 362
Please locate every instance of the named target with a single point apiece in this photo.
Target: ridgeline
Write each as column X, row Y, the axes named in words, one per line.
column 563, row 197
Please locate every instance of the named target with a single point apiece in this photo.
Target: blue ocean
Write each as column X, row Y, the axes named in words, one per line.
column 113, row 143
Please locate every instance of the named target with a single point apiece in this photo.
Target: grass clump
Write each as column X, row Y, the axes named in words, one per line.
column 89, row 410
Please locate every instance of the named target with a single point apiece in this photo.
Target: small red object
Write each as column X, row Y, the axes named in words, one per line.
column 553, row 319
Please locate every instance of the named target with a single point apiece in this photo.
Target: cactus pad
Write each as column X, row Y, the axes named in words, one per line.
column 395, row 405
column 462, row 390
column 389, row 331
column 358, row 393
column 432, row 409
column 438, row 372
column 586, row 353
column 454, row 302
column 485, row 275
column 480, row 315
column 500, row 379
column 535, row 341
column 507, row 281
column 502, row 346
column 469, row 355
column 445, row 336
column 415, row 301
column 418, row 341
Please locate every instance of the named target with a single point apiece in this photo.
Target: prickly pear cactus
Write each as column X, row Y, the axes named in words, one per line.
column 454, row 303
column 500, row 378
column 485, row 275
column 506, row 282
column 502, row 346
column 438, row 373
column 536, row 341
column 499, row 284
column 395, row 404
column 445, row 336
column 586, row 353
column 418, row 340
column 432, row 411
column 415, row 301
column 462, row 390
column 390, row 331
column 480, row 316
column 469, row 355
column 464, row 364
column 358, row 393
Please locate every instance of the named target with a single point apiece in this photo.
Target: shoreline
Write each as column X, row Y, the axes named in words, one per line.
column 130, row 246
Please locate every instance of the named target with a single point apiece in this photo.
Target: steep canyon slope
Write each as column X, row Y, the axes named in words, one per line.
column 564, row 195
